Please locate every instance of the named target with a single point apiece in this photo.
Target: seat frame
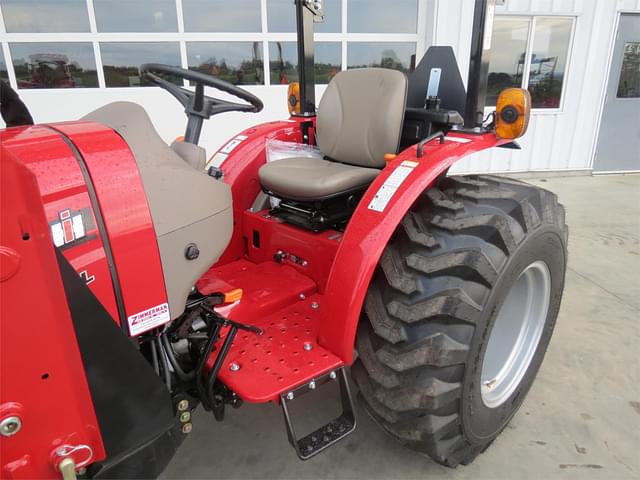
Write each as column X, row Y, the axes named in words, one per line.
column 332, row 212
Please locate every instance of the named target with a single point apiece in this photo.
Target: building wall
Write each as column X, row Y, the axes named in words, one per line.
column 557, row 140
column 562, row 140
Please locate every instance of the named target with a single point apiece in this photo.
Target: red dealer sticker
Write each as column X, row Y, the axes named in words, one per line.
column 153, row 317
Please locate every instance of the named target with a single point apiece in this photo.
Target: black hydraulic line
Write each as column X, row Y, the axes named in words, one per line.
column 213, row 373
column 185, row 376
column 213, row 336
column 154, row 357
column 165, row 364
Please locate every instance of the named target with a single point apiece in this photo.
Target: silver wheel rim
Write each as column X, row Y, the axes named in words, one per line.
column 515, row 334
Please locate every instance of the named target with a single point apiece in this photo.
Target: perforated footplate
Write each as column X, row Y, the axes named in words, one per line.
column 285, row 356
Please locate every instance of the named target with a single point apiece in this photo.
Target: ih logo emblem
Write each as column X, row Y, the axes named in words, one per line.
column 68, row 229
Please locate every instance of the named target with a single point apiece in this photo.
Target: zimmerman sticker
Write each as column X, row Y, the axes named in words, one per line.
column 390, row 186
column 153, row 317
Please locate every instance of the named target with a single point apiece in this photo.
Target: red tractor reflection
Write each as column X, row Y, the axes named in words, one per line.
column 49, row 70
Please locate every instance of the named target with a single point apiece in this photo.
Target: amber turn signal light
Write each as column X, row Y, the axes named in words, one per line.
column 293, row 98
column 512, row 113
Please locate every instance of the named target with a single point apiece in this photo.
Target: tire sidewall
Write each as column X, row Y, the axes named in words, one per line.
column 480, row 423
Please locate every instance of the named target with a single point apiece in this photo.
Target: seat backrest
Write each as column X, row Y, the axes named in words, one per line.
column 360, row 116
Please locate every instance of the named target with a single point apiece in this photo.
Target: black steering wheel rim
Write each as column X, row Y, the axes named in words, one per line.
column 198, row 106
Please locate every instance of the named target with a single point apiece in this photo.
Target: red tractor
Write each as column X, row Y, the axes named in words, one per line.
column 159, row 286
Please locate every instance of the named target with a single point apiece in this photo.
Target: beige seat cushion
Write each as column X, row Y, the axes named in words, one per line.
column 312, row 178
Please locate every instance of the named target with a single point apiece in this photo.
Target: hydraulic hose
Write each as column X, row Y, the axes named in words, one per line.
column 165, row 364
column 185, row 376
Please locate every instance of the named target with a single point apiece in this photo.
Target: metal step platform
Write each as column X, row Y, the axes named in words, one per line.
column 260, row 368
column 327, row 435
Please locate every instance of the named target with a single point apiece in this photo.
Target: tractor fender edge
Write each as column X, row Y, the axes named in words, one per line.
column 380, row 211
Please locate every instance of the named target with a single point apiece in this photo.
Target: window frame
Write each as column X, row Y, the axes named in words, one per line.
column 93, row 36
column 533, row 19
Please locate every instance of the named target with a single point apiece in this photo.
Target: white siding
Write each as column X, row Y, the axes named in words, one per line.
column 555, row 141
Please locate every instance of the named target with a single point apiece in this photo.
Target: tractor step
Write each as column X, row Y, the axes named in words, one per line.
column 259, row 368
column 327, row 435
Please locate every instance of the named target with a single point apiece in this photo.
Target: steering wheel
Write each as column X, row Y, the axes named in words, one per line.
column 197, row 105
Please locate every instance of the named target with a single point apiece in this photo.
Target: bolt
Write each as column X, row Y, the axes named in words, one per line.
column 185, row 417
column 234, row 367
column 302, row 296
column 192, row 251
column 304, row 263
column 10, row 426
column 333, row 375
column 307, row 346
column 315, row 305
column 187, row 427
column 183, row 405
column 312, row 385
column 290, row 396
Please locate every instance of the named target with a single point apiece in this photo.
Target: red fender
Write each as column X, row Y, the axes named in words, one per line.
column 369, row 232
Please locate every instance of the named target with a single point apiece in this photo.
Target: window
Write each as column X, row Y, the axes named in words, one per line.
column 54, row 65
column 281, row 16
column 141, row 15
column 225, row 38
column 4, row 75
column 222, row 15
column 629, row 85
column 385, row 55
column 382, row 16
column 237, row 62
column 284, row 62
column 35, row 16
column 121, row 61
column 507, row 62
column 542, row 69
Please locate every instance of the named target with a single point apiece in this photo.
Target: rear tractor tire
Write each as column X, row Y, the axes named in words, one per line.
column 460, row 312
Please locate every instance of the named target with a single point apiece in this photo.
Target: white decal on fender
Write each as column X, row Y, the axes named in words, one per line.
column 388, row 189
column 146, row 320
column 228, row 148
column 221, row 155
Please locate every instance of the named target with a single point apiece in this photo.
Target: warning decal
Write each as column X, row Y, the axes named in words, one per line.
column 391, row 185
column 146, row 320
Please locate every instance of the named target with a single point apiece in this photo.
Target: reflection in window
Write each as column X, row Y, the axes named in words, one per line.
column 281, row 16
column 385, row 55
column 141, row 15
column 284, row 62
column 382, row 16
column 549, row 61
column 54, row 65
column 239, row 63
column 121, row 61
column 507, row 64
column 35, row 16
column 629, row 85
column 3, row 66
column 221, row 15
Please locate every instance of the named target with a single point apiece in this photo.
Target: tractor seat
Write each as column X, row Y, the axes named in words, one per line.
column 309, row 179
column 359, row 121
